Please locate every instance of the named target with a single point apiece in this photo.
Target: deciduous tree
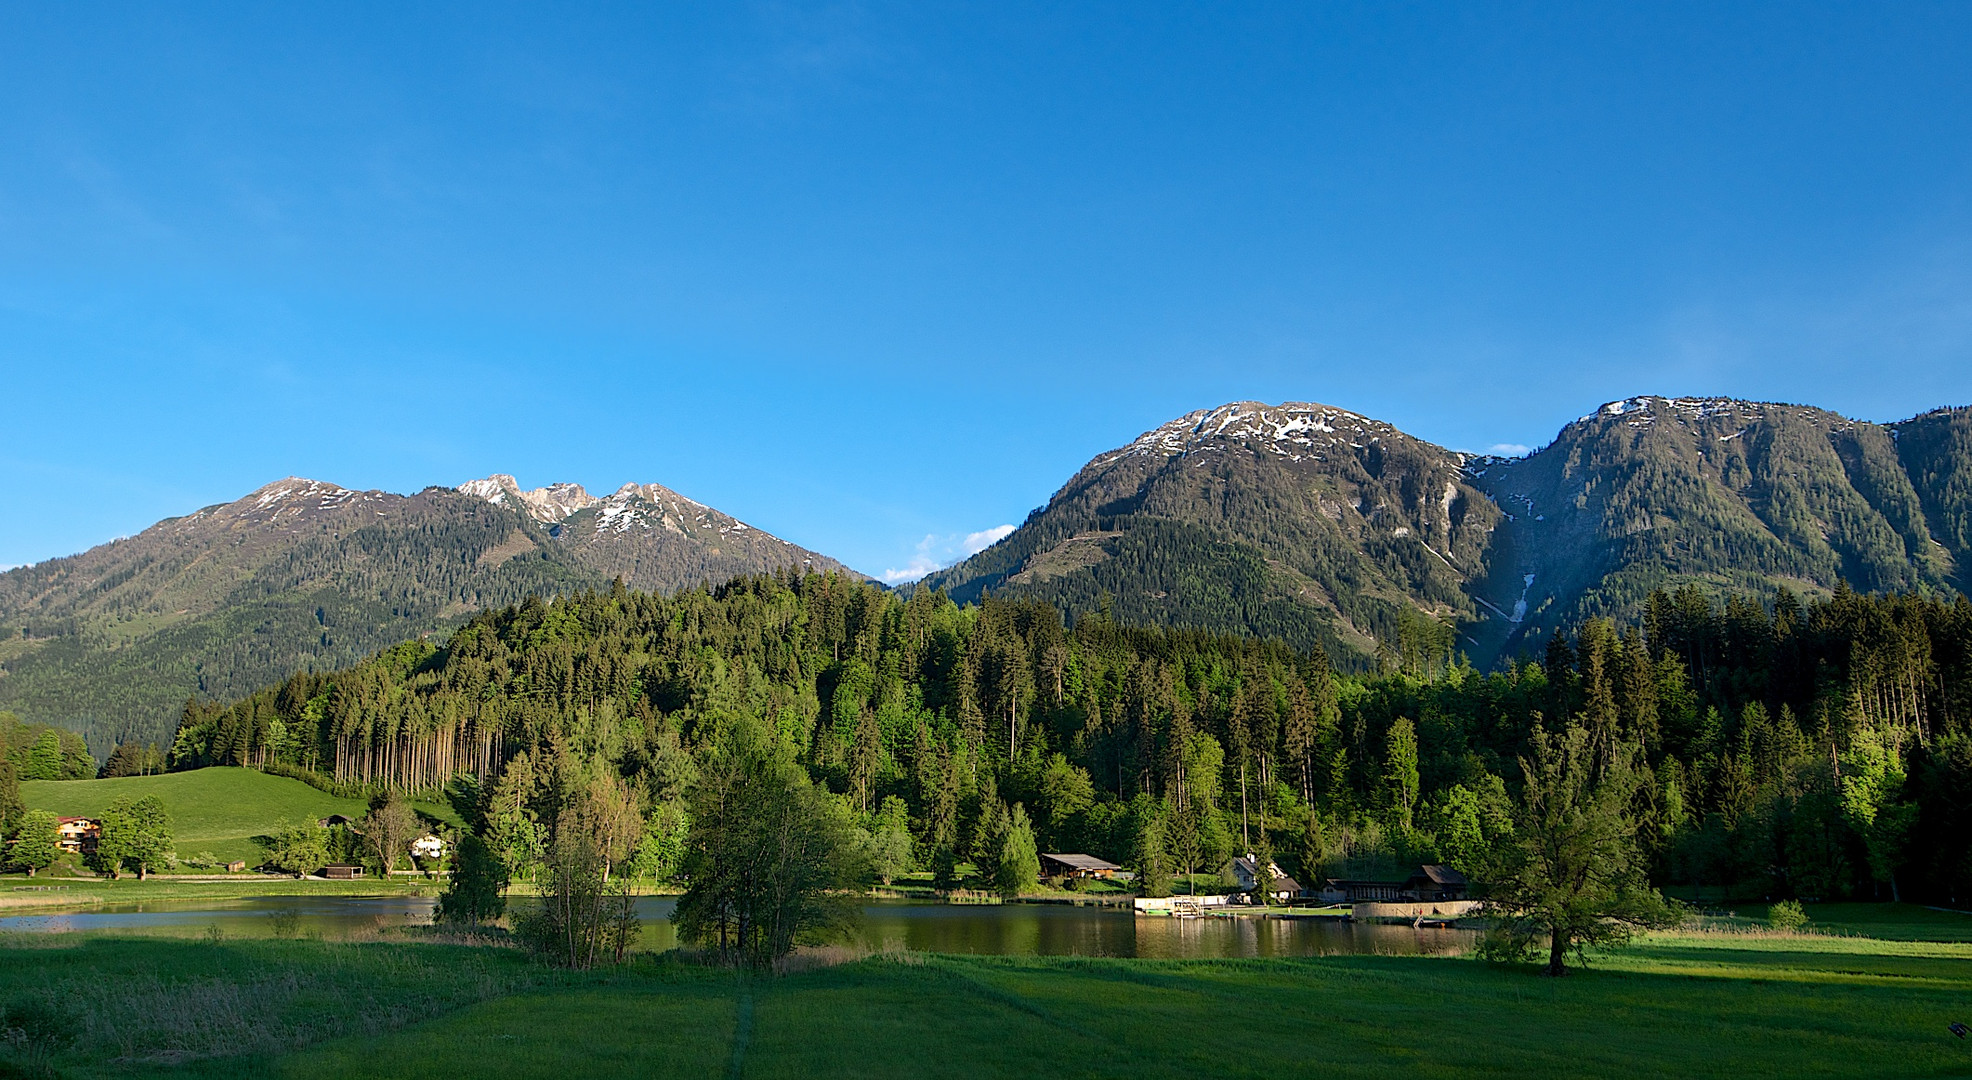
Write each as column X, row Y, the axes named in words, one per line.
column 770, row 856
column 1572, row 872
column 36, row 842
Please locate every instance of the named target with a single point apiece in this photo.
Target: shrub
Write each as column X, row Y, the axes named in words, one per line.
column 1787, row 916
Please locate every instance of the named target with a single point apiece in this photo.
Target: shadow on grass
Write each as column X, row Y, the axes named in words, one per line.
column 314, row 1010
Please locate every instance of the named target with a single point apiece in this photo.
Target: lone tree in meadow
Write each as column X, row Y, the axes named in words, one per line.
column 771, row 859
column 1572, row 873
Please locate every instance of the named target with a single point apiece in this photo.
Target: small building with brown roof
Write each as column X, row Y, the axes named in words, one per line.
column 1077, row 866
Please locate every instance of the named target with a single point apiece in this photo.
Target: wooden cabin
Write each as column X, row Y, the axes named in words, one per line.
column 342, row 873
column 1435, row 883
column 1428, row 884
column 1077, row 866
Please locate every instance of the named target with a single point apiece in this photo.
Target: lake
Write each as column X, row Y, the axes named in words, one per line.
column 998, row 929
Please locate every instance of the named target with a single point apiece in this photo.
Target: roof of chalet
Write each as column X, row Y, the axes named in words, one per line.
column 1437, row 875
column 1083, row 862
column 1441, row 875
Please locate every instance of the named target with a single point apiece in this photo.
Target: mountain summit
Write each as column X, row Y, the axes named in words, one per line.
column 547, row 504
column 648, row 534
column 1302, row 520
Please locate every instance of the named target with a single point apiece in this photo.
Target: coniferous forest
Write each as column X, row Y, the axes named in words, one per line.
column 1818, row 750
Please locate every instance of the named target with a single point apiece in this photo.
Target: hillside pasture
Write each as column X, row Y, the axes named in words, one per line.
column 217, row 810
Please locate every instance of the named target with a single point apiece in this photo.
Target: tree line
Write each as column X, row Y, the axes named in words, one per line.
column 1815, row 749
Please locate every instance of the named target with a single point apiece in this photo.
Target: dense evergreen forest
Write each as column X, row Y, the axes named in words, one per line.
column 1816, row 750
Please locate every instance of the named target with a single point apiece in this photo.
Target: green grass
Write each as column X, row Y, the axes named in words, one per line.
column 24, row 896
column 1894, row 922
column 217, row 810
column 1730, row 1005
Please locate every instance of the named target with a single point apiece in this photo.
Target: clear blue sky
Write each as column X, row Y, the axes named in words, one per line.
column 866, row 274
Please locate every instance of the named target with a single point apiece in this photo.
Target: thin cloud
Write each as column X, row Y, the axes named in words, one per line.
column 936, row 552
column 980, row 541
column 1509, row 449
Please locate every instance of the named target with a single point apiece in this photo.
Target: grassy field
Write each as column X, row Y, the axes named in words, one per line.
column 1741, row 1005
column 215, row 810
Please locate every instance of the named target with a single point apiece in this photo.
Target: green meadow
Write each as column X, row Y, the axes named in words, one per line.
column 1722, row 1003
column 217, row 810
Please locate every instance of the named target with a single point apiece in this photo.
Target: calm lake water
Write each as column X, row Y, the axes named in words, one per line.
column 1003, row 930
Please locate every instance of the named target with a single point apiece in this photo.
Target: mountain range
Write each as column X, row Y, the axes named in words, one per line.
column 306, row 575
column 1302, row 521
column 1329, row 528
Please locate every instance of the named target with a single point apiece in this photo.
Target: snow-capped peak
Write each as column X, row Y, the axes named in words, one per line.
column 1293, row 429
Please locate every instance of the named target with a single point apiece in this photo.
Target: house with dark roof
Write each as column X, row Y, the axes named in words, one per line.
column 1077, row 866
column 1434, row 883
column 1427, row 884
column 1284, row 888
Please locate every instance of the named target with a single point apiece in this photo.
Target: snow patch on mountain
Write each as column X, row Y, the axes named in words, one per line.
column 1294, row 430
column 1642, row 412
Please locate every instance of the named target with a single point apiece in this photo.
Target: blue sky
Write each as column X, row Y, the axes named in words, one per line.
column 879, row 278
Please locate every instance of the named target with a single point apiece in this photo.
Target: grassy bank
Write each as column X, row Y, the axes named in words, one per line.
column 1727, row 1004
column 19, row 893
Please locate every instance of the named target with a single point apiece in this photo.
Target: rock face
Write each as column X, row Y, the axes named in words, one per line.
column 551, row 503
column 648, row 534
column 1331, row 528
column 306, row 575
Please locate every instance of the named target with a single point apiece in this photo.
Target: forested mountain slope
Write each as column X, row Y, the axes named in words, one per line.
column 303, row 575
column 1300, row 520
column 1325, row 527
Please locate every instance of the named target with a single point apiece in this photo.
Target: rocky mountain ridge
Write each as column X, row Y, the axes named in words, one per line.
column 304, row 574
column 1336, row 529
